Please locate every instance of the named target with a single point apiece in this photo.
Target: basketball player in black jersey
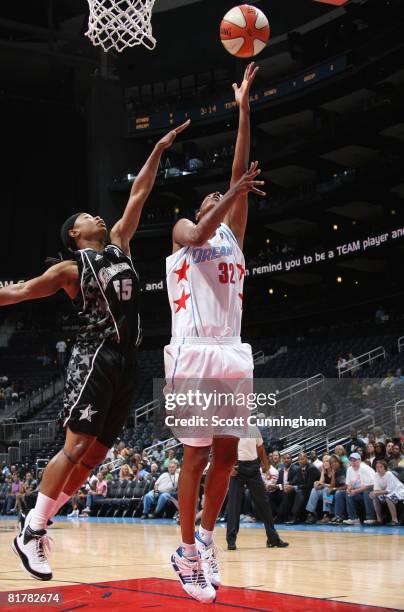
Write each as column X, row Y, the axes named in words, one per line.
column 101, row 375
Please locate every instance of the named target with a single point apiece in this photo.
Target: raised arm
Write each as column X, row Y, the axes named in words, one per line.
column 63, row 275
column 186, row 233
column 124, row 230
column 236, row 218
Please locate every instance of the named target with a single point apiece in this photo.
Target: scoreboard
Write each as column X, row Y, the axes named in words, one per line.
column 223, row 107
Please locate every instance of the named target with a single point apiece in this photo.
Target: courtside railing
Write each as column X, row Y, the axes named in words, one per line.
column 356, row 362
column 259, row 357
column 25, row 405
column 299, row 387
column 324, row 440
column 27, row 437
column 146, row 410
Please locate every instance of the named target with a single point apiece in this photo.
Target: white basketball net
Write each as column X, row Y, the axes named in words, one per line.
column 121, row 23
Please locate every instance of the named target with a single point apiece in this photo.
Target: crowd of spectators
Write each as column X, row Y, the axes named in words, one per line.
column 360, row 481
column 364, row 478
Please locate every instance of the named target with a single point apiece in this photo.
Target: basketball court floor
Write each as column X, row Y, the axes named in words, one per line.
column 123, row 564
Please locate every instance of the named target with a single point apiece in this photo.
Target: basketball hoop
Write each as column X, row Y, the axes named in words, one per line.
column 121, row 23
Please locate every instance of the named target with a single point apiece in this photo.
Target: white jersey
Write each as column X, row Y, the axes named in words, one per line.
column 205, row 287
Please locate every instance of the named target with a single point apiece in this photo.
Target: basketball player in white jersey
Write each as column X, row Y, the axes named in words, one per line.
column 205, row 275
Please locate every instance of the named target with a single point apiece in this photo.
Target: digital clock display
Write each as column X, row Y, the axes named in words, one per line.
column 227, row 106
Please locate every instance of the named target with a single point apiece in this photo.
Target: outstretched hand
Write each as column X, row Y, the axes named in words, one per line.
column 242, row 93
column 248, row 181
column 169, row 138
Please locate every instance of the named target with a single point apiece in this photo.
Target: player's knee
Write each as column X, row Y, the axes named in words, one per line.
column 77, row 450
column 94, row 456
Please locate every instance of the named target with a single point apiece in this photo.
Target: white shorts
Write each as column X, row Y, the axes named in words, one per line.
column 223, row 364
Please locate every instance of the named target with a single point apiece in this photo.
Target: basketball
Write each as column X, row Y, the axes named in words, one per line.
column 244, row 31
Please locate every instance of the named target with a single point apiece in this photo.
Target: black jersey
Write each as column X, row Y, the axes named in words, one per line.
column 107, row 303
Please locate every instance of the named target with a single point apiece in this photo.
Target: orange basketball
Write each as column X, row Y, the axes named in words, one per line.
column 244, row 31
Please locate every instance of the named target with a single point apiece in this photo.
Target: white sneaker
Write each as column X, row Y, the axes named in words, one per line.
column 73, row 514
column 194, row 580
column 351, row 522
column 32, row 547
column 208, row 555
column 370, row 522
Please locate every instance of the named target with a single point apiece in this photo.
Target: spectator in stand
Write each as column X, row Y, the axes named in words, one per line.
column 16, row 487
column 314, row 460
column 388, row 381
column 302, row 483
column 395, row 458
column 154, row 471
column 158, row 454
column 8, row 481
column 353, row 364
column 78, row 502
column 389, row 449
column 8, row 393
column 106, row 472
column 359, row 481
column 401, row 461
column 27, row 488
column 165, row 488
column 380, row 315
column 380, row 453
column 98, row 493
column 125, row 454
column 341, row 364
column 125, row 472
column 61, row 347
column 380, row 436
column 387, row 488
column 170, row 454
column 276, row 459
column 280, row 497
column 318, row 491
column 270, row 477
column 352, row 444
column 370, row 454
column 337, row 487
column 398, row 378
column 5, row 471
column 361, row 451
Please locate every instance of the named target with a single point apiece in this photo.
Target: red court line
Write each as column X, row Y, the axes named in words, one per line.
column 333, row 2
column 157, row 593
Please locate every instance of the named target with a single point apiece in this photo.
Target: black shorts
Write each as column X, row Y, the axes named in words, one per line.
column 100, row 388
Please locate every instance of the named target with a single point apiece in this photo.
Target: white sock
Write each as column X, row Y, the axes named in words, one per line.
column 43, row 508
column 189, row 550
column 61, row 500
column 205, row 535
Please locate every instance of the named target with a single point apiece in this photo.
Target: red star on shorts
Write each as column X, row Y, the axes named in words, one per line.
column 241, row 270
column 182, row 272
column 181, row 303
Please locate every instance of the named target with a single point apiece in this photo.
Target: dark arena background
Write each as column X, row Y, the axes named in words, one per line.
column 323, row 299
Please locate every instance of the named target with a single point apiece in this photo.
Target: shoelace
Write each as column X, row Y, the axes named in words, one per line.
column 195, row 574
column 210, row 555
column 43, row 547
